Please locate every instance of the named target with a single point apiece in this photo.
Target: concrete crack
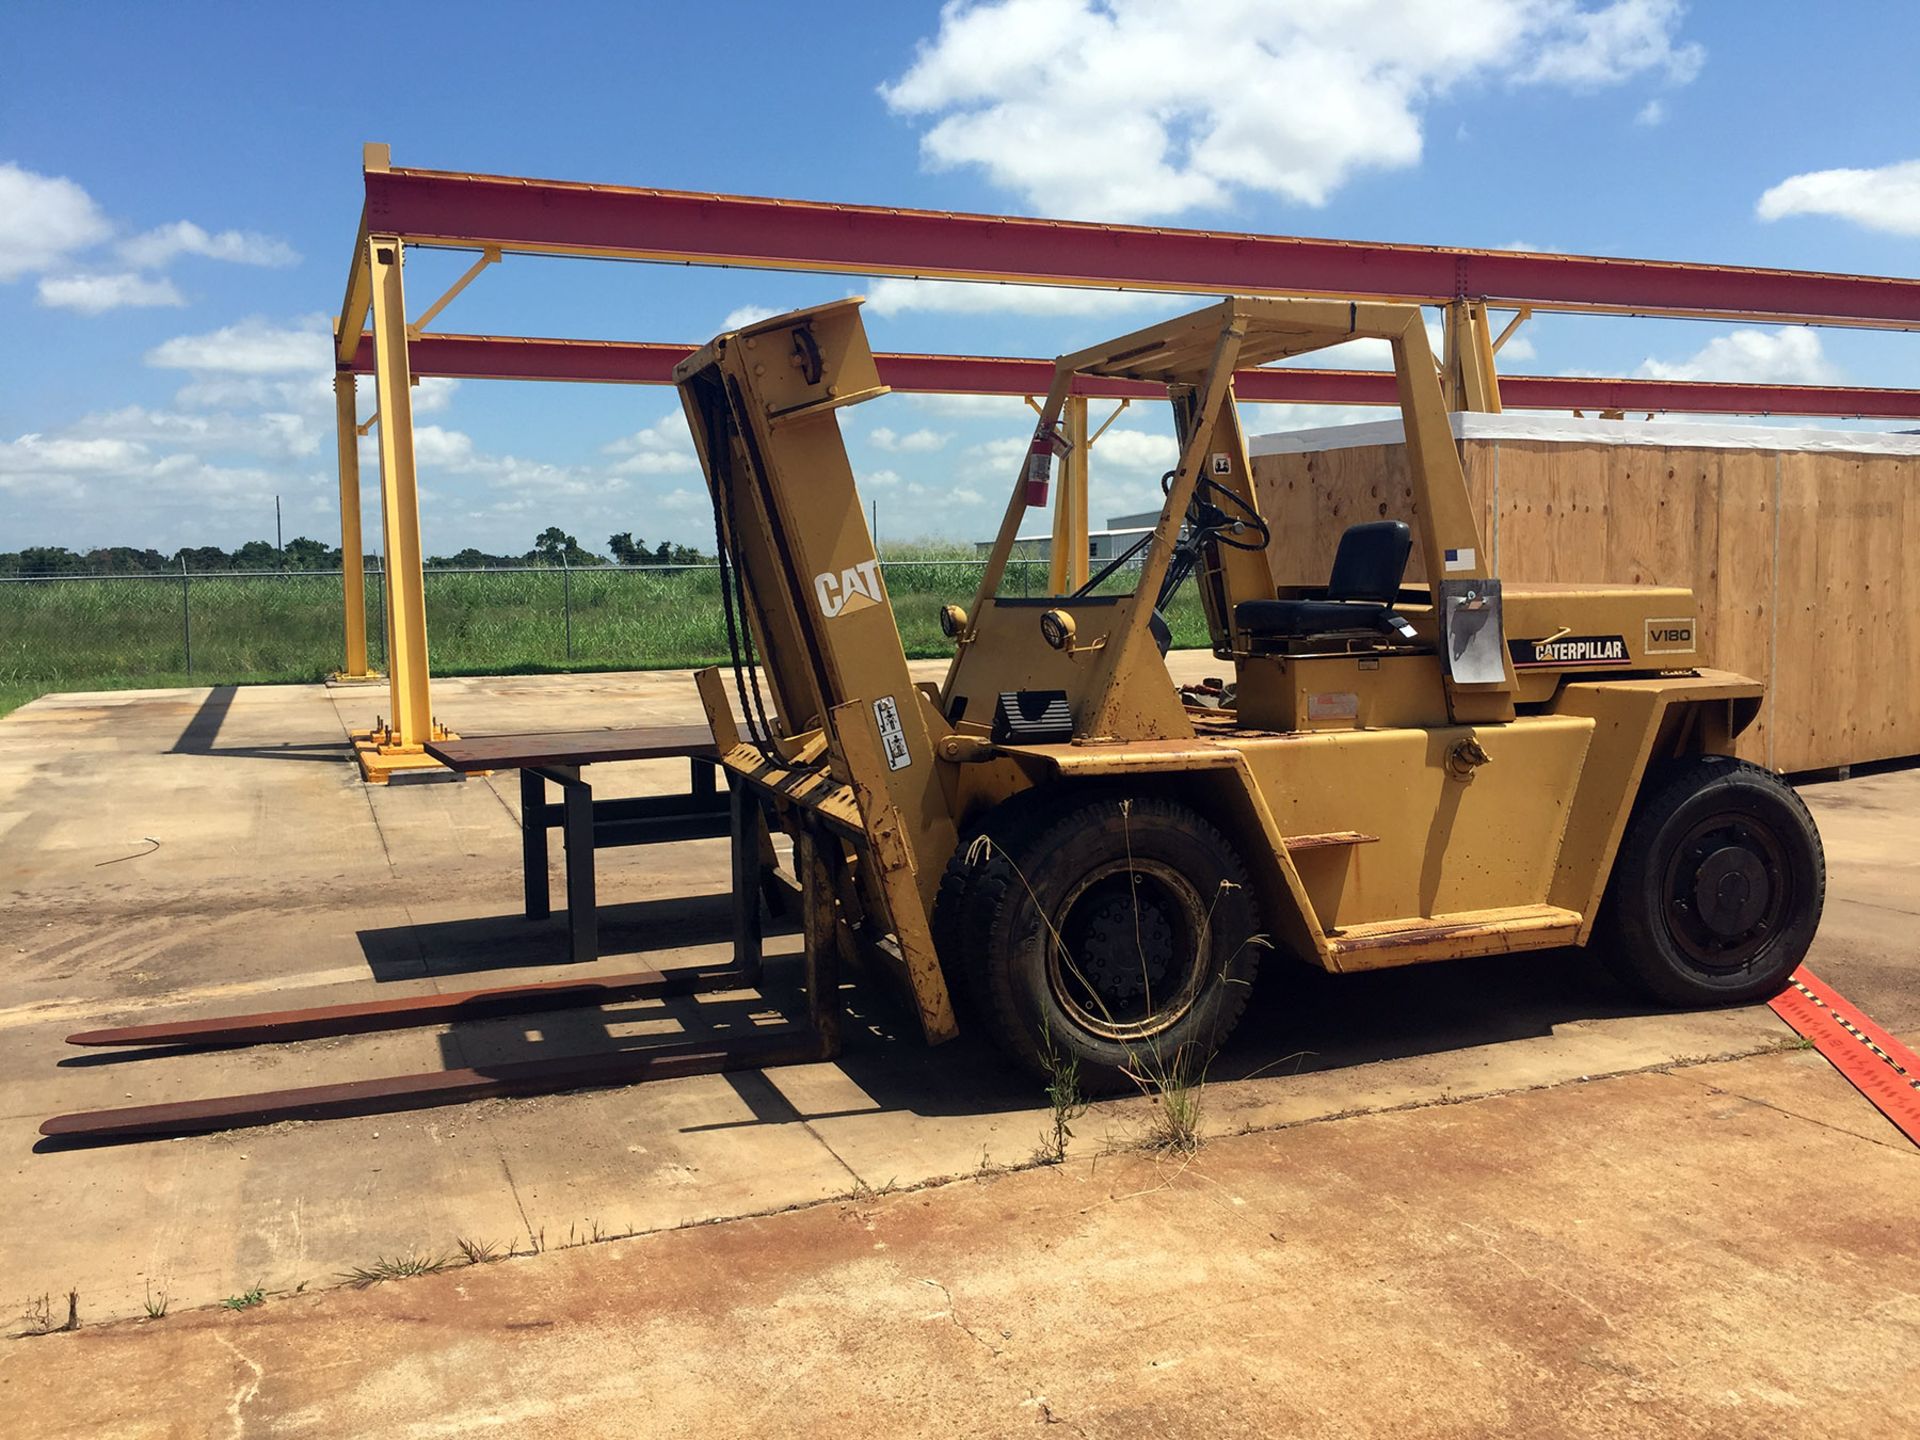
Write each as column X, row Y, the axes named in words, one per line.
column 247, row 1390
column 961, row 1325
column 1900, row 1145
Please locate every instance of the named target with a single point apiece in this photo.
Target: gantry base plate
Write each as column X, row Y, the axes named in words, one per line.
column 381, row 759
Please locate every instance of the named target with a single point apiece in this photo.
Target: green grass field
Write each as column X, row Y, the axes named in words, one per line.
column 135, row 633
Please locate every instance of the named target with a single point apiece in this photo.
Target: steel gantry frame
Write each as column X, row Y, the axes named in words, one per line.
column 498, row 215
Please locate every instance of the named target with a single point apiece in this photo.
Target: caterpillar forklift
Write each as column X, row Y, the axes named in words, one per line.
column 1096, row 863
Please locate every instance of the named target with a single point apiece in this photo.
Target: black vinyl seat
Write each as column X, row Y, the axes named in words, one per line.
column 1367, row 569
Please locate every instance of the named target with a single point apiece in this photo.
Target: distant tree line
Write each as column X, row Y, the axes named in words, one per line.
column 553, row 546
column 300, row 553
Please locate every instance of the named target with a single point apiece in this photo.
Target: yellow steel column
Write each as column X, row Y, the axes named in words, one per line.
column 411, row 722
column 353, row 572
column 1469, row 379
column 1067, row 553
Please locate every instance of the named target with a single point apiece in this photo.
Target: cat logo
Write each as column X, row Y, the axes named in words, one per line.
column 855, row 588
column 1670, row 637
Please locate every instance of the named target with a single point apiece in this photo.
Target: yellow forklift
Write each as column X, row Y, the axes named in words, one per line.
column 1097, row 861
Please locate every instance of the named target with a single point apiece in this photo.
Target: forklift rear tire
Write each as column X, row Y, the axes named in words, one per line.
column 1718, row 886
column 1118, row 933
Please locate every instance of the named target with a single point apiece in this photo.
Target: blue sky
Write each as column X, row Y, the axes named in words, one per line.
column 179, row 187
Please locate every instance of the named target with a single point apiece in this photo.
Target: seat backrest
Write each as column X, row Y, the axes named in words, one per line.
column 1370, row 561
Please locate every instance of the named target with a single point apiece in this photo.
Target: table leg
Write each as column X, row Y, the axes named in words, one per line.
column 583, row 915
column 533, row 844
column 744, row 815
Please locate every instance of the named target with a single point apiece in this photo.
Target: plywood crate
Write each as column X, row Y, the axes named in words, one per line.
column 1802, row 546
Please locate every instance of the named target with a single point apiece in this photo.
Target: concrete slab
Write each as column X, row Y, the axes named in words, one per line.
column 1629, row 1257
column 173, row 853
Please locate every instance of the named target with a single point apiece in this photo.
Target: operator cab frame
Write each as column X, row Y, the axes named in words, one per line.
column 1081, row 658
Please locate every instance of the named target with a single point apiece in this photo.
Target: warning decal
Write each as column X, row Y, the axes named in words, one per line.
column 893, row 736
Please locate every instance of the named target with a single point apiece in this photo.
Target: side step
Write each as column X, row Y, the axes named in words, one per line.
column 1331, row 840
column 1381, row 943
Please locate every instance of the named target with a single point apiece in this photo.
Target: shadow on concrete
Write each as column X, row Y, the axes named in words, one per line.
column 513, row 942
column 1299, row 1020
column 203, row 730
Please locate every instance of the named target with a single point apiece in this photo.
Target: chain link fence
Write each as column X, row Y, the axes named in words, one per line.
column 83, row 632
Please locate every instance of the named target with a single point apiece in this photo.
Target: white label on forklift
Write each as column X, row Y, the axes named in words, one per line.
column 1221, row 464
column 1459, row 559
column 893, row 736
column 1333, row 705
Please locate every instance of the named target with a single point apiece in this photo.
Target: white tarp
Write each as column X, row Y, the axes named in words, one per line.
column 1537, row 426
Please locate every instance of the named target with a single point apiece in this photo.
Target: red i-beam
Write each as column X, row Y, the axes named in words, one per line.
column 435, row 207
column 493, row 357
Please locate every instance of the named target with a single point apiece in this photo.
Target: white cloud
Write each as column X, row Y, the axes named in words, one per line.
column 914, row 442
column 1125, row 109
column 1364, row 354
column 1591, row 48
column 91, row 479
column 31, row 454
column 1518, row 347
column 1003, row 408
column 1651, row 114
column 1887, row 198
column 270, row 432
column 435, row 447
column 97, row 294
column 1273, row 419
column 252, row 347
column 158, row 248
column 879, row 478
column 1128, row 449
column 43, row 219
column 434, row 393
column 745, row 315
column 1763, row 357
column 662, row 448
column 996, row 459
column 969, row 297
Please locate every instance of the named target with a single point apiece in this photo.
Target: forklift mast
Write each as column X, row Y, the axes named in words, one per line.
column 847, row 746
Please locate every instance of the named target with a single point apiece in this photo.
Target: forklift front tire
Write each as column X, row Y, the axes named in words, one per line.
column 1718, row 886
column 1118, row 934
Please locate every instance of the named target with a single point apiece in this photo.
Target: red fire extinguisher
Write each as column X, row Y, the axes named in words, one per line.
column 1039, row 466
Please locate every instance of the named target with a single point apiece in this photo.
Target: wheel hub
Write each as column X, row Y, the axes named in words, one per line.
column 1732, row 890
column 1128, row 948
column 1727, row 890
column 1127, row 961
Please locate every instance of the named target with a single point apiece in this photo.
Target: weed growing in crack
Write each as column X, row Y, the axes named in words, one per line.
column 400, row 1267
column 1172, row 1078
column 482, row 1252
column 1064, row 1099
column 38, row 1316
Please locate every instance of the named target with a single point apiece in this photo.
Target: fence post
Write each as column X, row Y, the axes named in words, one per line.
column 566, row 599
column 186, row 618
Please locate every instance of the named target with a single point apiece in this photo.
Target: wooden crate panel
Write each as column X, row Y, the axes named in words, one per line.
column 1800, row 561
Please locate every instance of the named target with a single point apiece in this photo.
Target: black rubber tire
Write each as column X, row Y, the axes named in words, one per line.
column 1701, row 818
column 959, row 929
column 1104, row 853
